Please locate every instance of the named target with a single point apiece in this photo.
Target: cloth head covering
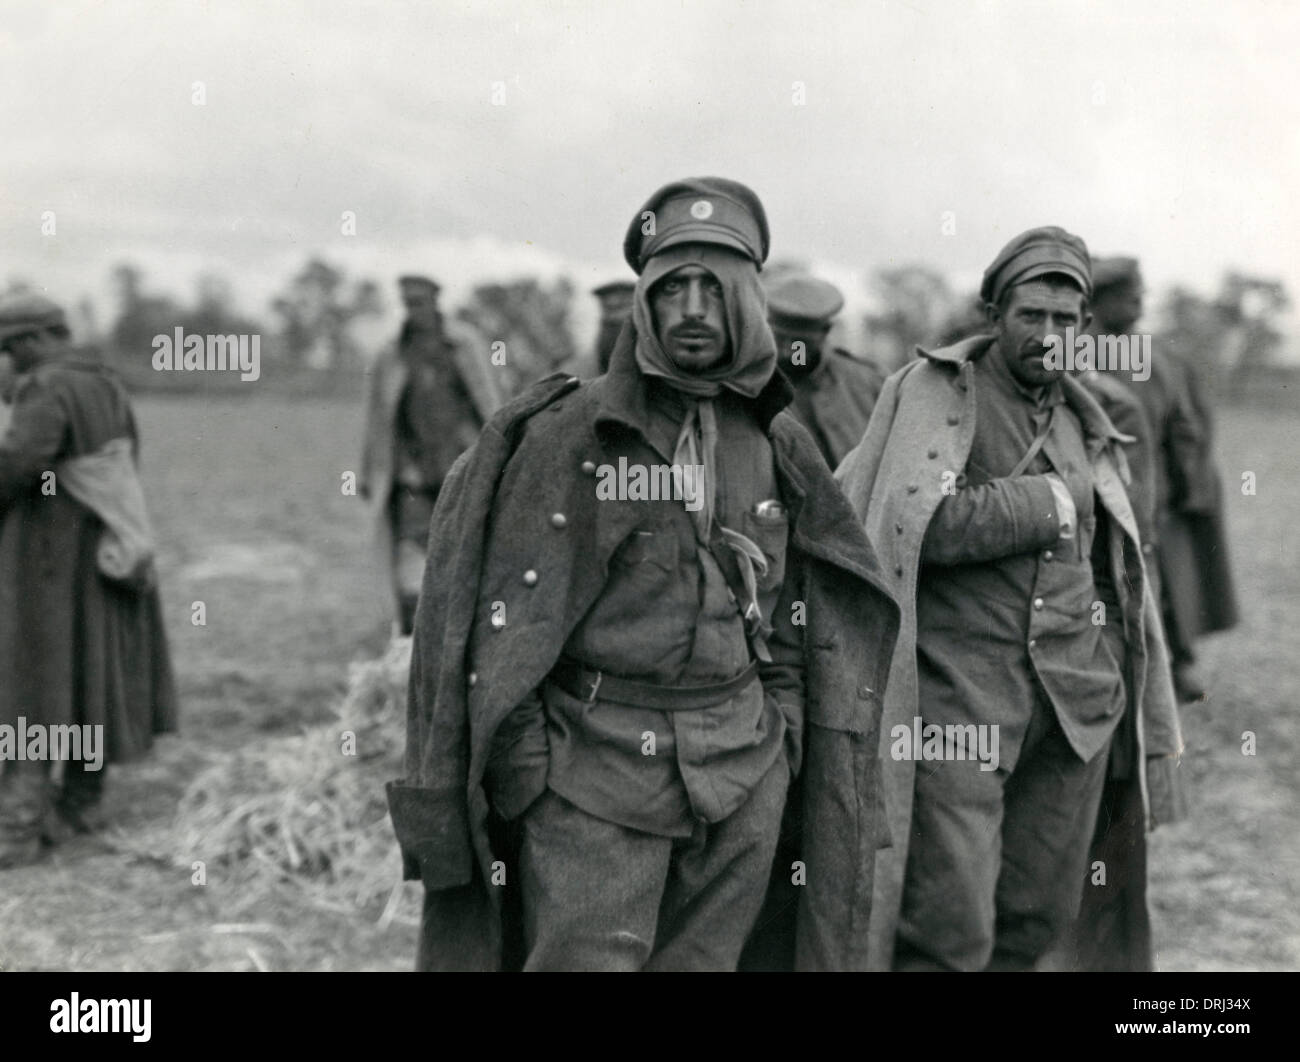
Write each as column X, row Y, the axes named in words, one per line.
column 1115, row 272
column 27, row 312
column 800, row 301
column 747, row 371
column 753, row 349
column 1034, row 254
column 698, row 210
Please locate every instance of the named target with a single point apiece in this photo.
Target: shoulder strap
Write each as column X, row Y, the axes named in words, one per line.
column 1036, row 445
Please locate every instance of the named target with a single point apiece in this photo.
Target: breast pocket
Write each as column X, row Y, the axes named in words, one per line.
column 772, row 535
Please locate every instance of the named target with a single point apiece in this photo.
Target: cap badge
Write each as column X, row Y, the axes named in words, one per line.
column 701, row 210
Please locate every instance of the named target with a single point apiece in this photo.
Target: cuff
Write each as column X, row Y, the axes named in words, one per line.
column 433, row 833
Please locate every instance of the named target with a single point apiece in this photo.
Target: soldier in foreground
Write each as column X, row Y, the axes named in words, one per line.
column 81, row 636
column 989, row 484
column 616, row 691
column 834, row 392
column 429, row 394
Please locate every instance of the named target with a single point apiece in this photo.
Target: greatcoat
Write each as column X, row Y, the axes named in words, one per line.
column 75, row 648
column 517, row 535
column 924, row 423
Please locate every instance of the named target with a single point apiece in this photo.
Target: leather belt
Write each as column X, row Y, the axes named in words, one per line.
column 587, row 684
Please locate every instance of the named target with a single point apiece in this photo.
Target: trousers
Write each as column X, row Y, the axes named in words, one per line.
column 996, row 859
column 599, row 896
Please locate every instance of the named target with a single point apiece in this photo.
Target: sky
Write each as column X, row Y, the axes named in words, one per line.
column 478, row 140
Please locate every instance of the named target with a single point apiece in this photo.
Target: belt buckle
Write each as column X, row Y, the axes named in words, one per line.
column 590, row 698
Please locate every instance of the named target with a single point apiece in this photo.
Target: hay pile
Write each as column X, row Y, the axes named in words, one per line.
column 306, row 815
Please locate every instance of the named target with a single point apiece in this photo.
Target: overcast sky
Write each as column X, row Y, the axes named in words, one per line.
column 1170, row 130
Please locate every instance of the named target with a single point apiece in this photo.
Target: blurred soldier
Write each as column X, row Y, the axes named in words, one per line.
column 834, row 392
column 81, row 636
column 429, row 395
column 1189, row 538
column 607, row 714
column 615, row 311
column 990, row 486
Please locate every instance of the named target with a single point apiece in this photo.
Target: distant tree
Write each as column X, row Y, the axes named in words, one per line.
column 918, row 303
column 531, row 320
column 316, row 314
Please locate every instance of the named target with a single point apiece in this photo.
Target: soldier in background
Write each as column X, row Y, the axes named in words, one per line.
column 429, row 395
column 1190, row 544
column 82, row 643
column 834, row 392
column 615, row 311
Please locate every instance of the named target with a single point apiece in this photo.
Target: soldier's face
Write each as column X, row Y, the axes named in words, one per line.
column 421, row 304
column 690, row 318
column 799, row 350
column 1032, row 312
column 1118, row 309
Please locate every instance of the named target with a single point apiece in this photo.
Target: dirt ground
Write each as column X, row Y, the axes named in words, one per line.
column 253, row 523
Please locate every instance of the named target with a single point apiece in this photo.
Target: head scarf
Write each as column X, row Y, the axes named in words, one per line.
column 746, row 371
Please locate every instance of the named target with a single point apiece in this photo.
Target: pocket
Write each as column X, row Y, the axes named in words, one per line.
column 772, row 536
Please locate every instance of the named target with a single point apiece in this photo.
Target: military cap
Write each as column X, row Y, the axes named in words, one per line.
column 25, row 312
column 1034, row 254
column 797, row 300
column 698, row 210
column 614, row 287
column 413, row 280
column 1115, row 272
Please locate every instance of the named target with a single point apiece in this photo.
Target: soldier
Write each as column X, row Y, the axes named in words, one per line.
column 429, row 395
column 81, row 637
column 989, row 484
column 612, row 696
column 834, row 392
column 1189, row 540
column 615, row 311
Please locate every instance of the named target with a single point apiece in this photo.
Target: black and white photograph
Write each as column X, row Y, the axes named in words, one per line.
column 738, row 486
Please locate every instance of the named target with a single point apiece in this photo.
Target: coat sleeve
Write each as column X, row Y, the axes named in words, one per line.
column 996, row 519
column 429, row 806
column 33, row 442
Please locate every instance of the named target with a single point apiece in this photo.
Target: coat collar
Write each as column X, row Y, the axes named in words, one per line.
column 1098, row 430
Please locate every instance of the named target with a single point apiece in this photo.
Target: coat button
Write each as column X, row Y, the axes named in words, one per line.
column 589, row 468
column 932, row 454
column 1038, row 602
column 1147, row 547
column 558, row 520
column 953, row 419
column 898, row 528
column 898, row 570
column 1047, row 554
column 473, row 678
column 1033, row 642
column 912, row 488
column 530, row 578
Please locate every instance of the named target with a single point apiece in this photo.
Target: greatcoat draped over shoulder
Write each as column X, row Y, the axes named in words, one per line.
column 468, row 673
column 924, row 423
